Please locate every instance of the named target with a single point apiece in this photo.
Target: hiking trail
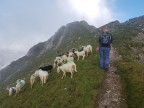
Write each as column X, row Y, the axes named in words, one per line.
column 111, row 95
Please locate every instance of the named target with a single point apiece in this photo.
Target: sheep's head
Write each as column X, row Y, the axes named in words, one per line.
column 71, row 54
column 36, row 72
column 60, row 61
column 82, row 48
column 75, row 53
column 67, row 52
column 67, row 55
column 55, row 62
column 35, row 75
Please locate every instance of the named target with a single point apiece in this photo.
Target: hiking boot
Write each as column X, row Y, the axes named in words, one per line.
column 106, row 69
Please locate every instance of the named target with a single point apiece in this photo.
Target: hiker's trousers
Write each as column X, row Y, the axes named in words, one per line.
column 104, row 57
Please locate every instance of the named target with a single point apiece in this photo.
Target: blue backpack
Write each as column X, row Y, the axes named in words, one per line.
column 105, row 39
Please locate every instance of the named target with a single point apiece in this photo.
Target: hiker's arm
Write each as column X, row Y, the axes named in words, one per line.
column 99, row 40
column 111, row 38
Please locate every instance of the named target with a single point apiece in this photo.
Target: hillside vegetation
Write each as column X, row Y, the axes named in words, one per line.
column 131, row 67
column 79, row 92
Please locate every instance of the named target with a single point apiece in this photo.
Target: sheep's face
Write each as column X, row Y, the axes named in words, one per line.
column 36, row 72
column 35, row 75
column 71, row 54
column 55, row 62
column 75, row 53
column 82, row 48
column 60, row 62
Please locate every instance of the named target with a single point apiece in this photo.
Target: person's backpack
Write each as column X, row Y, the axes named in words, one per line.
column 105, row 39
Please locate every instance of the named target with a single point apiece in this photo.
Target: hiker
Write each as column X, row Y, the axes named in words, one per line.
column 105, row 40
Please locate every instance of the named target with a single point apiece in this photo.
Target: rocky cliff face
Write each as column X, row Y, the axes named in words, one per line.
column 136, row 21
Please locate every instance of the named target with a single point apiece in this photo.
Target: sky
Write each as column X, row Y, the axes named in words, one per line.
column 24, row 23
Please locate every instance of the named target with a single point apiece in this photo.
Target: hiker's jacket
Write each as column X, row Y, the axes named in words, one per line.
column 109, row 40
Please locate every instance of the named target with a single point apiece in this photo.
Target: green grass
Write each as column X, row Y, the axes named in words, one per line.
column 79, row 92
column 131, row 72
column 133, row 77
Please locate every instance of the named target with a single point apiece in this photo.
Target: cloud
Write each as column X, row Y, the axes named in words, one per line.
column 96, row 12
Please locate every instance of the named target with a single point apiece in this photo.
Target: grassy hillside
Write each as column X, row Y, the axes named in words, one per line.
column 79, row 92
column 130, row 69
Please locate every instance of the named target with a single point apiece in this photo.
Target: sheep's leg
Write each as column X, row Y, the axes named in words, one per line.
column 86, row 53
column 78, row 58
column 32, row 82
column 71, row 75
column 64, row 74
column 46, row 77
column 18, row 92
column 83, row 57
column 31, row 85
column 43, row 81
column 41, row 78
column 75, row 69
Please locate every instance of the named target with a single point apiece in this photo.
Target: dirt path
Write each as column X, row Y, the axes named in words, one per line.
column 111, row 92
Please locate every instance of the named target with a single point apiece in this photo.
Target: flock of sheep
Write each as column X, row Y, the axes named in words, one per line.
column 64, row 63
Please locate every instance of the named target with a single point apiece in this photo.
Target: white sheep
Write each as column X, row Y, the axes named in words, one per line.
column 71, row 54
column 19, row 85
column 68, row 67
column 70, row 59
column 79, row 54
column 43, row 75
column 58, row 61
column 87, row 49
column 64, row 58
column 11, row 90
column 32, row 79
